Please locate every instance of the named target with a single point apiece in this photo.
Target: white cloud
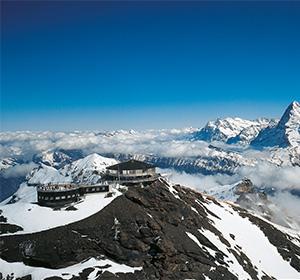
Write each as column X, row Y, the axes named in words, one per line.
column 167, row 143
column 18, row 170
column 268, row 175
column 289, row 206
column 262, row 175
column 198, row 181
column 163, row 142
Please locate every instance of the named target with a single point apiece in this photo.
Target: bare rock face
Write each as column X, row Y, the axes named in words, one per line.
column 246, row 186
column 149, row 227
column 259, row 202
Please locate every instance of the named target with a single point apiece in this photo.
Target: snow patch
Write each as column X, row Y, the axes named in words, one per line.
column 254, row 244
column 18, row 269
column 18, row 213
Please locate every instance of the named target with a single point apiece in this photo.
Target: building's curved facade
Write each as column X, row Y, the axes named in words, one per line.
column 132, row 172
column 57, row 197
column 64, row 194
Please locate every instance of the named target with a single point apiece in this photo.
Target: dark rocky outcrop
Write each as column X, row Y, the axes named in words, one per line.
column 244, row 187
column 144, row 227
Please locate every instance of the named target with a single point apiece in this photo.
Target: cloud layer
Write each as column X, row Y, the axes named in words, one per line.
column 262, row 175
column 166, row 143
column 18, row 170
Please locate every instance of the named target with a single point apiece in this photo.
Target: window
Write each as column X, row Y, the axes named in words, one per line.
column 46, row 197
column 51, row 198
column 97, row 189
column 63, row 197
column 57, row 198
column 68, row 196
column 93, row 189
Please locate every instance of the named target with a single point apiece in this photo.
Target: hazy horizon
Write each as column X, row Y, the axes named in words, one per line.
column 161, row 120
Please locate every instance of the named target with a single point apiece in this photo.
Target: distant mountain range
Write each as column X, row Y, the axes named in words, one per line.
column 258, row 133
column 167, row 227
column 232, row 130
column 221, row 147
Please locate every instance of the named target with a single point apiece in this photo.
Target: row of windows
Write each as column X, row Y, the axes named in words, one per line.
column 128, row 172
column 137, row 171
column 57, row 197
column 103, row 188
column 97, row 189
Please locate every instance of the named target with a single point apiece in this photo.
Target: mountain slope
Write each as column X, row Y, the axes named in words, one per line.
column 247, row 196
column 160, row 232
column 23, row 211
column 286, row 133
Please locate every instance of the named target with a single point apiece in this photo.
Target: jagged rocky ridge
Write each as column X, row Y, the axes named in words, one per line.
column 171, row 232
column 216, row 160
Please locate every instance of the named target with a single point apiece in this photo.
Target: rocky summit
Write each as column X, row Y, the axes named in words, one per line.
column 161, row 231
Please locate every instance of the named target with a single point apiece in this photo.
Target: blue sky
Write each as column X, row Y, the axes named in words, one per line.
column 110, row 65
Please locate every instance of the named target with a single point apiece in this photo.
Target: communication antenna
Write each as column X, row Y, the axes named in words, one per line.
column 119, row 173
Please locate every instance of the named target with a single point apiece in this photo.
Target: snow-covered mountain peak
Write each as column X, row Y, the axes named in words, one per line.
column 93, row 162
column 296, row 105
column 285, row 133
column 230, row 128
column 230, row 123
column 88, row 169
column 45, row 174
column 291, row 116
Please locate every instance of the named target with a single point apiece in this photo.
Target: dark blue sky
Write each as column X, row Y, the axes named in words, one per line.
column 107, row 65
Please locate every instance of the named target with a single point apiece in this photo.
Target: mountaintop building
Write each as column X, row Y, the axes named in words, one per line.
column 129, row 173
column 132, row 172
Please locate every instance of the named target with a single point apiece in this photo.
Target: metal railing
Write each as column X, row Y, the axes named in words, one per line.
column 134, row 180
column 68, row 187
column 57, row 188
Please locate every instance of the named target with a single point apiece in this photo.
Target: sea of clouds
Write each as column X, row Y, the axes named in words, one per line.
column 161, row 142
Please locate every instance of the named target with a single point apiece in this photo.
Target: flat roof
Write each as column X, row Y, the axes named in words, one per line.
column 131, row 165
